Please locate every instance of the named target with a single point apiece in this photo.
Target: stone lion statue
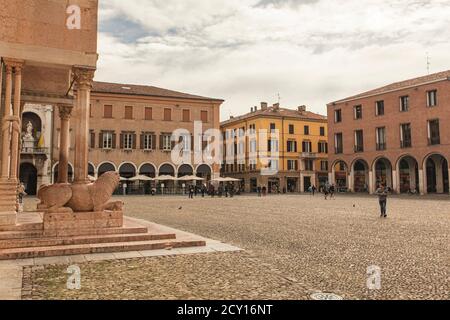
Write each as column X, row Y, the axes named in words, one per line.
column 92, row 197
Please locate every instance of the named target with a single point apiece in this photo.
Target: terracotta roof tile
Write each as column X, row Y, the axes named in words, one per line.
column 140, row 90
column 400, row 85
column 279, row 112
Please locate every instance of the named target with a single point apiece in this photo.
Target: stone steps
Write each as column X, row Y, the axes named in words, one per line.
column 94, row 239
column 36, row 252
column 23, row 227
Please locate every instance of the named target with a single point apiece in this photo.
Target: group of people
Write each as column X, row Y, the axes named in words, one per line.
column 227, row 190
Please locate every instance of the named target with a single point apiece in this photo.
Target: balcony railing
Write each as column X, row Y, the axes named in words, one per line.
column 359, row 149
column 35, row 150
column 381, row 146
column 309, row 155
column 405, row 144
column 434, row 141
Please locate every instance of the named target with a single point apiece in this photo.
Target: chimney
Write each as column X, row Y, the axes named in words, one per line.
column 256, row 108
column 276, row 106
column 302, row 109
column 263, row 106
column 251, row 110
column 231, row 117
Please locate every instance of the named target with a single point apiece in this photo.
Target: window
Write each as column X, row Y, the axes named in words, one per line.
column 434, row 137
column 107, row 111
column 241, row 148
column 309, row 165
column 323, row 165
column 272, row 127
column 185, row 140
column 359, row 141
column 338, row 143
column 379, row 108
column 292, row 165
column 291, row 129
column 167, row 114
column 357, row 112
column 306, row 130
column 128, row 112
column 432, row 98
column 204, row 116
column 107, row 140
column 252, row 165
column 405, row 135
column 323, row 147
column 165, row 142
column 272, row 145
column 381, row 138
column 91, row 113
column 307, row 146
column 91, row 141
column 292, row 146
column 147, row 141
column 127, row 141
column 253, row 146
column 252, row 128
column 273, row 165
column 148, row 113
column 186, row 115
column 404, row 103
column 322, row 131
column 338, row 116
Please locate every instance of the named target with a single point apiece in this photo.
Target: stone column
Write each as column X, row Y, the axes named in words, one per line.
column 83, row 77
column 351, row 180
column 371, row 183
column 64, row 115
column 422, row 181
column 396, row 181
column 16, row 124
column 6, row 125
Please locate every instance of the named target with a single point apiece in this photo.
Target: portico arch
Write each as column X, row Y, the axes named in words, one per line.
column 360, row 173
column 436, row 175
column 407, row 169
column 339, row 172
column 382, row 169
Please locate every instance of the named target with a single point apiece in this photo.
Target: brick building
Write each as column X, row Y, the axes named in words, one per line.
column 397, row 135
column 130, row 132
column 296, row 143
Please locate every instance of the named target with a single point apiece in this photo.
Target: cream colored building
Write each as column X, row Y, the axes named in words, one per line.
column 299, row 151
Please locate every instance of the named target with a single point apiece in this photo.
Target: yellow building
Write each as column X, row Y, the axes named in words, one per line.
column 277, row 148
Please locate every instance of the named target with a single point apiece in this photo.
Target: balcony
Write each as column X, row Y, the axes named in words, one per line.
column 405, row 144
column 359, row 149
column 35, row 151
column 309, row 155
column 434, row 141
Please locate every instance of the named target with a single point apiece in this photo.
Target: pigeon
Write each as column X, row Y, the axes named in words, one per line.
column 180, row 208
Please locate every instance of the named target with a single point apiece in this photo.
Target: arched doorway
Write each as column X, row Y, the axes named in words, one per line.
column 91, row 170
column 127, row 170
column 185, row 170
column 408, row 172
column 167, row 170
column 383, row 173
column 340, row 170
column 105, row 167
column 437, row 174
column 204, row 171
column 28, row 176
column 55, row 173
column 361, row 176
column 148, row 170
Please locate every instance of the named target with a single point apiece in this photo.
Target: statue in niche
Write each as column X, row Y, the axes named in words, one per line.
column 29, row 133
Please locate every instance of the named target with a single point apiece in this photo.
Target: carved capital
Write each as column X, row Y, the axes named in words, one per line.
column 13, row 63
column 84, row 77
column 65, row 111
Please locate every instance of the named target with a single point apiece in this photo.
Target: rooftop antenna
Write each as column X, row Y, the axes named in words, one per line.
column 279, row 98
column 428, row 63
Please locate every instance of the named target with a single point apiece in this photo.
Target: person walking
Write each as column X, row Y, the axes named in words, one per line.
column 259, row 191
column 191, row 192
column 332, row 191
column 382, row 193
column 313, row 189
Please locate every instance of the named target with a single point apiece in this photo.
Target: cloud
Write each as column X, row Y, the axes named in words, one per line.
column 310, row 52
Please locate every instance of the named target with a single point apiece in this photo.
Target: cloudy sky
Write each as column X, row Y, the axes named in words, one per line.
column 246, row 51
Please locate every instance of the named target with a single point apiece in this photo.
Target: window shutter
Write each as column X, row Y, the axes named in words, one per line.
column 172, row 145
column 92, row 140
column 100, row 140
column 142, row 141
column 134, row 141
column 121, row 141
column 114, row 141
column 204, row 145
column 161, row 142
column 192, row 143
column 153, row 146
column 295, row 146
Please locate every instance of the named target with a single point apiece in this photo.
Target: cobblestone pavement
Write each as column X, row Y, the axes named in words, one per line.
column 295, row 245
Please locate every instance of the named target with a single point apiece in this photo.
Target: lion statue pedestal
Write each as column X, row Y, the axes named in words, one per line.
column 81, row 209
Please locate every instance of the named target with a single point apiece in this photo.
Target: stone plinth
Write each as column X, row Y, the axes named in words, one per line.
column 80, row 223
